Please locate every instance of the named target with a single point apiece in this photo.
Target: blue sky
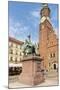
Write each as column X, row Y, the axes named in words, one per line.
column 24, row 19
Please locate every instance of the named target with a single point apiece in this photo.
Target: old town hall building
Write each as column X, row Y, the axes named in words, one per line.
column 48, row 41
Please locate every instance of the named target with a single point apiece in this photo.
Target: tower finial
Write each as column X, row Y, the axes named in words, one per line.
column 44, row 4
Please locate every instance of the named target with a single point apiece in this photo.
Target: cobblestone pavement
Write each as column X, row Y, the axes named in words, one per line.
column 47, row 82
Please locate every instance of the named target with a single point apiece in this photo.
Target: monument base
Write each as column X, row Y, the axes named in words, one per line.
column 32, row 73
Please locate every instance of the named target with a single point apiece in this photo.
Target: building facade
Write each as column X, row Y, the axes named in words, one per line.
column 48, row 41
column 15, row 50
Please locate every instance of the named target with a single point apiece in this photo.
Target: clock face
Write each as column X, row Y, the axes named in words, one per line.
column 43, row 19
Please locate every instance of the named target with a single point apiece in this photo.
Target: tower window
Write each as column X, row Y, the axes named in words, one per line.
column 54, row 66
column 53, row 54
column 15, row 59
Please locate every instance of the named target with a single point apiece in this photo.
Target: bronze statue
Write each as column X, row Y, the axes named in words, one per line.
column 29, row 48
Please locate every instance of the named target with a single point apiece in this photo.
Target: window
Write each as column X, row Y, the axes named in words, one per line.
column 49, row 64
column 54, row 66
column 20, row 53
column 11, row 59
column 11, row 51
column 20, row 47
column 16, row 46
column 20, row 59
column 15, row 59
column 53, row 54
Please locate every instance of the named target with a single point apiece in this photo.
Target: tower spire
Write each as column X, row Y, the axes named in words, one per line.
column 45, row 11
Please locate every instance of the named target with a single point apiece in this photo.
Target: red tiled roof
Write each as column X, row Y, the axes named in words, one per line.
column 15, row 40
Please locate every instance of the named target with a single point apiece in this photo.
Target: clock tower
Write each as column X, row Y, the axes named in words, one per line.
column 47, row 37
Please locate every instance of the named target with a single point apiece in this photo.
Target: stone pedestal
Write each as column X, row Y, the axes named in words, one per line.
column 32, row 73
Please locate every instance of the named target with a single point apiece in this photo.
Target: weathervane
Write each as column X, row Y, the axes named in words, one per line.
column 29, row 37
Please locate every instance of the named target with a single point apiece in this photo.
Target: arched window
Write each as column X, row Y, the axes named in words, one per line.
column 54, row 66
column 53, row 54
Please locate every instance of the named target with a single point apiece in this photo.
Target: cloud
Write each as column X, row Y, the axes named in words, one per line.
column 17, row 29
column 36, row 13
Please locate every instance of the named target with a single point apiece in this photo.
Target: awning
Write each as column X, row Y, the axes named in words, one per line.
column 15, row 65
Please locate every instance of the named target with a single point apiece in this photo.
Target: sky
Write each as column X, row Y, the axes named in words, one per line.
column 24, row 19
